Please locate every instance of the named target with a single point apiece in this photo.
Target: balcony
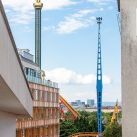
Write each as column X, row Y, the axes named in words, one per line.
column 44, row 82
column 35, row 123
column 45, row 104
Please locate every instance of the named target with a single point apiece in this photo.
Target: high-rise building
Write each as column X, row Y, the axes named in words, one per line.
column 45, row 120
column 90, row 102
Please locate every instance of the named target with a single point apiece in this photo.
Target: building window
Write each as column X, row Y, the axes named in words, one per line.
column 37, row 95
column 42, row 113
column 41, row 95
column 26, row 71
column 51, row 98
column 47, row 113
column 57, row 97
column 37, row 114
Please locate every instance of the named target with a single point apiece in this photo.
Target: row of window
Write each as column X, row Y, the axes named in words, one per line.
column 45, row 113
column 39, row 95
column 48, row 131
column 32, row 72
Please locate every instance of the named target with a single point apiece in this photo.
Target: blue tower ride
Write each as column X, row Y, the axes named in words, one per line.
column 99, row 85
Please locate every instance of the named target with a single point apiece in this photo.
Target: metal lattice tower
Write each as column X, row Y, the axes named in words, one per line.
column 38, row 6
column 99, row 85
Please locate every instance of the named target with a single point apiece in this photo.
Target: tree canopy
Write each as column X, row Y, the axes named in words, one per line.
column 87, row 122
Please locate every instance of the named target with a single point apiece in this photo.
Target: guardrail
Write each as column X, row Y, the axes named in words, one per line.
column 42, row 81
column 45, row 104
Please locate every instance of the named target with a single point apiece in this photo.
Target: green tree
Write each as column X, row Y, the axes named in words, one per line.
column 87, row 122
column 67, row 128
column 82, row 124
column 114, row 130
column 93, row 122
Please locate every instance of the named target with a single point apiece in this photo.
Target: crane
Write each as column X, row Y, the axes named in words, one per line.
column 99, row 85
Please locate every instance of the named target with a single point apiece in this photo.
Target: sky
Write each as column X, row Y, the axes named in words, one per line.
column 69, row 43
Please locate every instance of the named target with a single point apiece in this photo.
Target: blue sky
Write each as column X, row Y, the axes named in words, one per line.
column 69, row 43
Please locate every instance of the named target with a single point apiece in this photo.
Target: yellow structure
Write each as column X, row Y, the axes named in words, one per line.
column 75, row 114
column 85, row 134
column 115, row 112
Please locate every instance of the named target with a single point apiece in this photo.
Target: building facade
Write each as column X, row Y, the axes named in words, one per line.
column 45, row 121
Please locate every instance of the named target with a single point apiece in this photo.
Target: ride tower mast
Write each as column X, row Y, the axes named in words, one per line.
column 38, row 6
column 99, row 85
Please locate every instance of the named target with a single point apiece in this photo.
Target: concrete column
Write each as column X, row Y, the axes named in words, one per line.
column 7, row 125
column 129, row 67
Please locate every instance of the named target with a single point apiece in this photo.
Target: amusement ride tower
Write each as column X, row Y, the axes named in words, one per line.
column 38, row 6
column 99, row 85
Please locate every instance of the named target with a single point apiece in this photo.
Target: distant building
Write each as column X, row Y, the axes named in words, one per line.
column 90, row 102
column 78, row 104
column 74, row 103
column 83, row 104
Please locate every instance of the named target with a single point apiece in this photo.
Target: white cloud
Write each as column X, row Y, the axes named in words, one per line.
column 77, row 21
column 22, row 9
column 22, row 18
column 57, row 4
column 19, row 11
column 65, row 76
column 100, row 2
column 28, row 4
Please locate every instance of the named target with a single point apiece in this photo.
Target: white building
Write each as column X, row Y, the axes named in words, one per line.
column 15, row 97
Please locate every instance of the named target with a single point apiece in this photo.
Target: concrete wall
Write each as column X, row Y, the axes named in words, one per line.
column 7, row 125
column 129, row 67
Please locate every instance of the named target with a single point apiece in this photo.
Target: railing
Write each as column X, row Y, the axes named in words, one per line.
column 86, row 134
column 35, row 123
column 45, row 104
column 42, row 81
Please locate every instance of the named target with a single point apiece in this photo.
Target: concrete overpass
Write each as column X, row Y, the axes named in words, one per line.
column 15, row 97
